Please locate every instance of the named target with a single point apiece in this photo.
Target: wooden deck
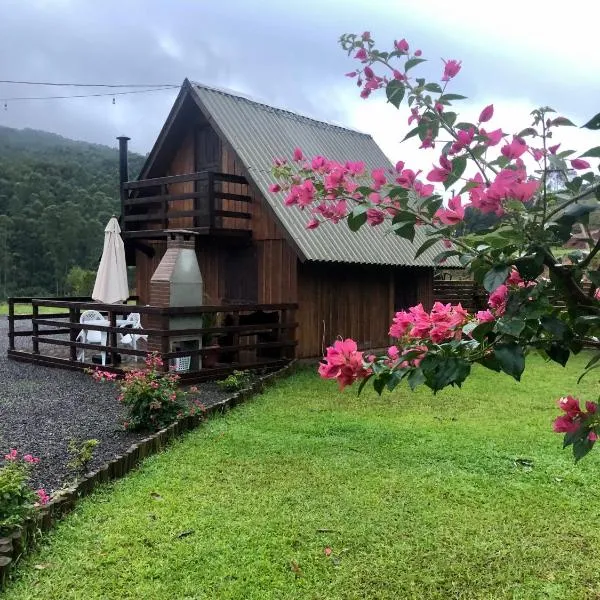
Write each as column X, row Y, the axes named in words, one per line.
column 259, row 336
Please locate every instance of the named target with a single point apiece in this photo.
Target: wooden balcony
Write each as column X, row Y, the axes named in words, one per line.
column 206, row 202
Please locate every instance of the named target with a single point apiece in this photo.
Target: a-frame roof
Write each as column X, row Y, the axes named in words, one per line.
column 258, row 133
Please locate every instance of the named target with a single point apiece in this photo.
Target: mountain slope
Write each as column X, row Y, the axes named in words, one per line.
column 56, row 196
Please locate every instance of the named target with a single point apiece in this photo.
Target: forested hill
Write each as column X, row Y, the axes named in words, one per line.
column 56, row 196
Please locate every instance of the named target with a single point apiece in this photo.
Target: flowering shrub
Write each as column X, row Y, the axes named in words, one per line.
column 519, row 196
column 17, row 499
column 152, row 397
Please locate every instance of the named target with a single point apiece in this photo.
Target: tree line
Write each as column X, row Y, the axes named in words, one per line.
column 56, row 196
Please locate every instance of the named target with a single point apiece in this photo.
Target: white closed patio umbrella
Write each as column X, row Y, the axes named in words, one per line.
column 111, row 279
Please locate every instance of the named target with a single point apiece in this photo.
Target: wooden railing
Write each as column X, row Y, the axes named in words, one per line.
column 152, row 205
column 233, row 336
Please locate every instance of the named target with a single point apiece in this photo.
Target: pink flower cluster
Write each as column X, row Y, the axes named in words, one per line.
column 99, row 375
column 499, row 297
column 395, row 355
column 13, row 455
column 43, row 496
column 343, row 362
column 573, row 417
column 443, row 323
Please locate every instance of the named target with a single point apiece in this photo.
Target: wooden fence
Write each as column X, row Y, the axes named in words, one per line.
column 471, row 296
column 235, row 336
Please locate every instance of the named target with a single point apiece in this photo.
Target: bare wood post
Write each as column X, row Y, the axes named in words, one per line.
column 35, row 330
column 236, row 337
column 73, row 333
column 165, row 341
column 11, row 324
column 112, row 337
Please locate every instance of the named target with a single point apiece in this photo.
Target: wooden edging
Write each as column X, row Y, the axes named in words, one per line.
column 22, row 540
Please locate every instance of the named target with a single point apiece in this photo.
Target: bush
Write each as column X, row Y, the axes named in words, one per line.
column 81, row 454
column 152, row 397
column 238, row 380
column 80, row 282
column 17, row 499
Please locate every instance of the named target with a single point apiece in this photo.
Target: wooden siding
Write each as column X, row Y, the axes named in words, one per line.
column 182, row 163
column 145, row 267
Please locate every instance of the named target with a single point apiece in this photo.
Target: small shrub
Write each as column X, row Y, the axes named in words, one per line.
column 238, row 380
column 151, row 397
column 17, row 499
column 81, row 454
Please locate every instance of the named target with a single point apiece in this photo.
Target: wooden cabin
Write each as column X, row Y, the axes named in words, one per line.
column 209, row 172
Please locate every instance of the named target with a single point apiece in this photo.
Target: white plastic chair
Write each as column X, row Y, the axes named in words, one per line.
column 92, row 337
column 130, row 339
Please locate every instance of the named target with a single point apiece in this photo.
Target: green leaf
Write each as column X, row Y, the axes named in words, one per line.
column 415, row 378
column 594, row 277
column 582, row 446
column 527, row 131
column 404, row 216
column 442, row 371
column 511, row 359
column 449, row 118
column 362, row 384
column 426, row 245
column 593, row 123
column 557, row 327
column 458, row 168
column 482, row 330
column 413, row 62
column 511, row 326
column 395, row 92
column 379, row 382
column 530, row 266
column 495, row 277
column 410, row 134
column 442, row 256
column 433, row 87
column 356, row 221
column 449, row 97
column 558, row 353
column 592, row 153
column 562, row 121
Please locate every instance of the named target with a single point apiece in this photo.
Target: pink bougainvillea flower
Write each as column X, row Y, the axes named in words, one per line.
column 274, row 188
column 492, row 137
column 361, row 54
column 31, row 459
column 441, row 173
column 591, row 407
column 343, row 362
column 485, row 316
column 578, row 163
column 414, row 115
column 515, row 149
column 368, row 72
column 486, row 114
column 553, row 149
column 570, row 406
column 379, row 179
column 399, row 166
column 452, row 215
column 375, row 217
column 427, row 141
column 592, row 436
column 312, row 224
column 401, row 45
column 565, row 424
column 451, row 69
column 407, row 178
column 418, row 53
column 298, row 156
column 366, row 35
column 537, row 153
column 424, row 190
column 398, row 75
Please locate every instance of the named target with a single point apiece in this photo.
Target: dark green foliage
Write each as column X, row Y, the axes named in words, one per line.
column 56, row 196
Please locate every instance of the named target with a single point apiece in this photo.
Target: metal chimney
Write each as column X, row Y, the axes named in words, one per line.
column 123, row 163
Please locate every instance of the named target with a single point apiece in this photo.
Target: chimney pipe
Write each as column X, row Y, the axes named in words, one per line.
column 123, row 173
column 123, row 164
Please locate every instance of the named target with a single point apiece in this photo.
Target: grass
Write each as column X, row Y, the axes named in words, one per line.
column 466, row 494
column 25, row 309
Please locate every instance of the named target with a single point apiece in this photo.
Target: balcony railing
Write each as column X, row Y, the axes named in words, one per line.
column 205, row 202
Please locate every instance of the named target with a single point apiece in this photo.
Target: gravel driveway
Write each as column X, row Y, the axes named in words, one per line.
column 42, row 409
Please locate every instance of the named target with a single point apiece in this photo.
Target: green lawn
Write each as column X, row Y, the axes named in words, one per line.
column 25, row 309
column 463, row 495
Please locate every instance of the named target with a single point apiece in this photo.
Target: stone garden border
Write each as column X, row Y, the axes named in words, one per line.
column 23, row 540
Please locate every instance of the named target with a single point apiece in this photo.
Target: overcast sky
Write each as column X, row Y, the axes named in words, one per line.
column 517, row 54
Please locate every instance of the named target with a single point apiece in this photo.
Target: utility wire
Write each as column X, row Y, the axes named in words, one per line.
column 158, row 89
column 102, row 85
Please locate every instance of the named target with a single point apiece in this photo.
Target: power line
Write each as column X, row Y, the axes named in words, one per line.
column 101, row 85
column 158, row 89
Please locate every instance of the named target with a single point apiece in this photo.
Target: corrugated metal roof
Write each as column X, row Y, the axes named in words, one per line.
column 259, row 133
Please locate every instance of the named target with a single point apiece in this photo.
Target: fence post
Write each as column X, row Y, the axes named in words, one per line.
column 35, row 328
column 73, row 333
column 11, row 324
column 165, row 342
column 112, row 337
